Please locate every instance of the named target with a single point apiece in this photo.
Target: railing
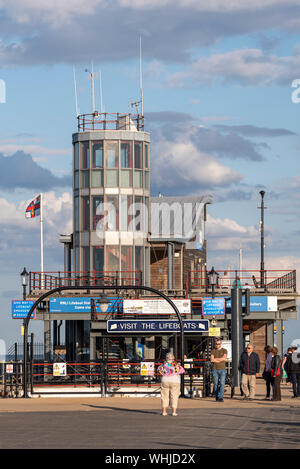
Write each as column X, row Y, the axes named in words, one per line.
column 110, row 121
column 49, row 280
column 116, row 376
column 256, row 280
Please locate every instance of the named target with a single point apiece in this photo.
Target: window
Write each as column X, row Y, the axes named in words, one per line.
column 85, row 179
column 138, row 157
column 139, row 258
column 125, row 178
column 76, row 214
column 138, row 179
column 126, row 161
column 76, row 180
column 76, row 156
column 112, row 212
column 85, row 155
column 97, row 178
column 146, row 156
column 112, row 257
column 97, row 154
column 146, row 184
column 112, row 155
column 138, row 213
column 85, row 213
column 126, row 259
column 98, row 259
column 125, row 216
column 86, row 259
column 112, row 178
column 98, row 213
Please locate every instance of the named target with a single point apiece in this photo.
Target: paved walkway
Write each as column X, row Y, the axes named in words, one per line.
column 136, row 423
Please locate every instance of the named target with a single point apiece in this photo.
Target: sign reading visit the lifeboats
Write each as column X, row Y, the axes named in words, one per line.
column 152, row 326
column 154, row 306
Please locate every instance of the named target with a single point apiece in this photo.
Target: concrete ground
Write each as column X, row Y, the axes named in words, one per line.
column 127, row 423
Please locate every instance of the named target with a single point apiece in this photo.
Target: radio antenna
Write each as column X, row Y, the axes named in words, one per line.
column 141, row 78
column 91, row 73
column 101, row 98
column 75, row 90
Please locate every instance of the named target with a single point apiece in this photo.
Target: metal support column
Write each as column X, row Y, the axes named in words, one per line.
column 236, row 332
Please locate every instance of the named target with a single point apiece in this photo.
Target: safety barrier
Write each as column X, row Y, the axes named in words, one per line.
column 107, row 377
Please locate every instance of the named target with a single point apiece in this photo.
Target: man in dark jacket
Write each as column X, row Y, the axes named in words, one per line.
column 249, row 366
column 293, row 368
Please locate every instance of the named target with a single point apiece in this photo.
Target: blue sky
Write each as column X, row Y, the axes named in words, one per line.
column 217, row 91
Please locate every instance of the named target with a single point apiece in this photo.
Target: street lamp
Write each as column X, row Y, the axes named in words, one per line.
column 103, row 302
column 212, row 280
column 24, row 278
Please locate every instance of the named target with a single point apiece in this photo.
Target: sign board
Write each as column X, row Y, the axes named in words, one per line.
column 9, row 368
column 155, row 306
column 21, row 308
column 213, row 306
column 214, row 332
column 147, row 368
column 259, row 303
column 81, row 305
column 226, row 344
column 152, row 326
column 59, row 369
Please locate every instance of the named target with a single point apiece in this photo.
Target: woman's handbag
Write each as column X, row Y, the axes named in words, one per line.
column 277, row 373
column 265, row 375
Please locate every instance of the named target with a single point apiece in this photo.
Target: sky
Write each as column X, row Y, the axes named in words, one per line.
column 220, row 100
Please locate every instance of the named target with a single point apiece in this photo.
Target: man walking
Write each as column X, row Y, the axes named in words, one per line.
column 293, row 367
column 218, row 359
column 249, row 366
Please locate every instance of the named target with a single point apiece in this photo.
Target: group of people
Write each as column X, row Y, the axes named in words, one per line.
column 249, row 366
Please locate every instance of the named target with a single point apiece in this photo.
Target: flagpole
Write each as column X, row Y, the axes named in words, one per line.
column 42, row 241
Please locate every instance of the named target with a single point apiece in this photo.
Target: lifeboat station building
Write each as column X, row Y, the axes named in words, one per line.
column 125, row 238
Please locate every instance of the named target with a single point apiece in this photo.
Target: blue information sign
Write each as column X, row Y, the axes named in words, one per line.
column 213, row 306
column 82, row 305
column 258, row 303
column 153, row 326
column 21, row 308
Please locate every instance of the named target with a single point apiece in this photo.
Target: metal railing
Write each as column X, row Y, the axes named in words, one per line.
column 110, row 121
column 49, row 280
column 256, row 280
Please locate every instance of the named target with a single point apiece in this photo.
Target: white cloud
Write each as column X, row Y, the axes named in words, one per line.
column 177, row 163
column 55, row 12
column 242, row 66
column 228, row 235
column 11, row 148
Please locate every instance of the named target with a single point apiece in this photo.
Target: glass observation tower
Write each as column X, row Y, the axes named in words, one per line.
column 111, row 189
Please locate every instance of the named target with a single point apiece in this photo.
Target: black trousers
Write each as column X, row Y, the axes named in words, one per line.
column 295, row 378
column 276, row 388
column 268, row 383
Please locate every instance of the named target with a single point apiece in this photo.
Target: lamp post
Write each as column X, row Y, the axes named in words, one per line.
column 212, row 280
column 99, row 287
column 24, row 278
column 262, row 240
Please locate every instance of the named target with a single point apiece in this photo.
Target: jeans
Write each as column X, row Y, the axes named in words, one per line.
column 295, row 378
column 219, row 383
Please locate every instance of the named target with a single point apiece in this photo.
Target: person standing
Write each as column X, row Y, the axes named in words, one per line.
column 218, row 360
column 276, row 374
column 293, row 369
column 249, row 367
column 170, row 372
column 285, row 364
column 267, row 371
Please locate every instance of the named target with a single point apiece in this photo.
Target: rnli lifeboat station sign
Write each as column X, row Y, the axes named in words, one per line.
column 153, row 326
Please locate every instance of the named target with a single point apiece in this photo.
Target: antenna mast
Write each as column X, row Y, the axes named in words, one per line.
column 101, row 99
column 141, row 79
column 75, row 90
